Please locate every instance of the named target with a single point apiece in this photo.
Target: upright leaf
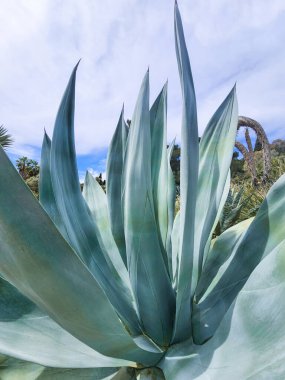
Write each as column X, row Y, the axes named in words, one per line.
column 188, row 259
column 146, row 265
column 115, row 161
column 96, row 200
column 83, row 233
column 216, row 150
column 159, row 173
column 47, row 199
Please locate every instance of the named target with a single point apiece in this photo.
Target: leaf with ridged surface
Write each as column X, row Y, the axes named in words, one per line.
column 189, row 164
column 216, row 150
column 249, row 343
column 37, row 260
column 29, row 334
column 266, row 231
column 115, row 161
column 82, row 231
column 148, row 274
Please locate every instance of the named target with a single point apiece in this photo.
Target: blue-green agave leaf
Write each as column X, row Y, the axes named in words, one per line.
column 219, row 258
column 14, row 369
column 249, row 343
column 46, row 195
column 159, row 172
column 266, row 231
column 83, row 233
column 29, row 334
column 148, row 274
column 216, row 150
column 96, row 200
column 175, row 248
column 189, row 163
column 115, row 161
column 44, row 268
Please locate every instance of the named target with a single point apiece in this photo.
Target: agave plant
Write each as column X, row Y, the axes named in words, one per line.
column 110, row 286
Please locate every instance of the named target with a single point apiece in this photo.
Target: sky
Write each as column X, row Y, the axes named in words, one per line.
column 228, row 41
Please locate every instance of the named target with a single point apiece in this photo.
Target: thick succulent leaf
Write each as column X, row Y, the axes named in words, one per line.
column 171, row 193
column 82, row 231
column 14, row 369
column 216, row 150
column 37, row 260
column 96, row 200
column 115, row 161
column 29, row 334
column 46, row 195
column 249, row 343
column 266, row 231
column 148, row 273
column 219, row 257
column 175, row 248
column 189, row 163
column 159, row 166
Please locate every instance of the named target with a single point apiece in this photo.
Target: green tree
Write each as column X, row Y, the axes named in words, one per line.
column 27, row 167
column 5, row 139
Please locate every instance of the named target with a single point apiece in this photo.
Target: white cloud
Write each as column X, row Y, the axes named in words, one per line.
column 228, row 41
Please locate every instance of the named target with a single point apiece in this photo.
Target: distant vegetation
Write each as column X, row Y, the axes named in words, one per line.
column 249, row 183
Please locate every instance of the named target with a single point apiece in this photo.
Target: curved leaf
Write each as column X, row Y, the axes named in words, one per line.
column 219, row 258
column 13, row 369
column 189, row 163
column 115, row 161
column 266, row 231
column 148, row 273
column 29, row 334
column 216, row 150
column 83, row 233
column 159, row 172
column 43, row 267
column 249, row 343
column 46, row 195
column 97, row 202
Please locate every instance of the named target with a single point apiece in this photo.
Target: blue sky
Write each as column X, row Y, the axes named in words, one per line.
column 228, row 41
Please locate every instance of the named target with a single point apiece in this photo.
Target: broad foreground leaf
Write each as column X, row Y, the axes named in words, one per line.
column 45, row 269
column 266, row 231
column 249, row 344
column 47, row 344
column 13, row 369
